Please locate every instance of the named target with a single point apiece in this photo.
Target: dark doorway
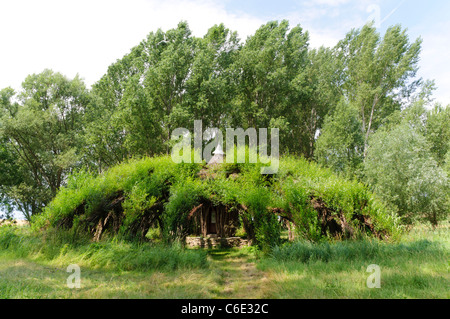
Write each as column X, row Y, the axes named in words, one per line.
column 212, row 229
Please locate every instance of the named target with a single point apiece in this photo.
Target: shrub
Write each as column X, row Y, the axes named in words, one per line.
column 403, row 172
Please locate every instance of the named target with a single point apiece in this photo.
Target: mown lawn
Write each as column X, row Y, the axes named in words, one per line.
column 416, row 267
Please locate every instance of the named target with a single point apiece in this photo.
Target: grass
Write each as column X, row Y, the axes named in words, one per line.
column 23, row 278
column 238, row 276
column 63, row 248
column 415, row 267
column 35, row 266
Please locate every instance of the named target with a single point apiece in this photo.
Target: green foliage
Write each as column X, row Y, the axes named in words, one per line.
column 134, row 178
column 267, row 229
column 302, row 179
column 438, row 132
column 340, row 145
column 55, row 125
column 184, row 196
column 177, row 189
column 374, row 68
column 9, row 176
column 41, row 130
column 447, row 163
column 403, row 172
column 298, row 201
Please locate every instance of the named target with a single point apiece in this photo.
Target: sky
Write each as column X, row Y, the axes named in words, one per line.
column 85, row 37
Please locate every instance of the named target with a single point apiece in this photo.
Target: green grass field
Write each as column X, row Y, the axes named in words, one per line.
column 416, row 267
column 33, row 266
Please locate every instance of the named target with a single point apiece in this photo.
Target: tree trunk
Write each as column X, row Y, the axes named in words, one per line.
column 369, row 125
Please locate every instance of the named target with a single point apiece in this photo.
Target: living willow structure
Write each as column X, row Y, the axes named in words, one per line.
column 183, row 200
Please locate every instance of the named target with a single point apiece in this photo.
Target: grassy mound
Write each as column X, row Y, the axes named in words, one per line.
column 131, row 198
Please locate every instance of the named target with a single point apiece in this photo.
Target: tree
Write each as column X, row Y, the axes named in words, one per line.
column 431, row 121
column 447, row 162
column 42, row 133
column 265, row 70
column 166, row 78
column 340, row 144
column 141, row 98
column 438, row 132
column 8, row 175
column 377, row 73
column 211, row 85
column 318, row 89
column 402, row 170
column 107, row 119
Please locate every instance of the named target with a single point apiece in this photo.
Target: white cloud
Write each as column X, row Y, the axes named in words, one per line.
column 326, row 20
column 85, row 37
column 332, row 3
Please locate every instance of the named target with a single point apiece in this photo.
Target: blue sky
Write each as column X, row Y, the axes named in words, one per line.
column 86, row 36
column 329, row 20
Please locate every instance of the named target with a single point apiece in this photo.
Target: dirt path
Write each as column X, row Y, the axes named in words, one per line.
column 238, row 276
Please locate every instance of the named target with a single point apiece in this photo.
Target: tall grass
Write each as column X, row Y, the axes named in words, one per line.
column 63, row 248
column 305, row 252
column 416, row 266
column 150, row 176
